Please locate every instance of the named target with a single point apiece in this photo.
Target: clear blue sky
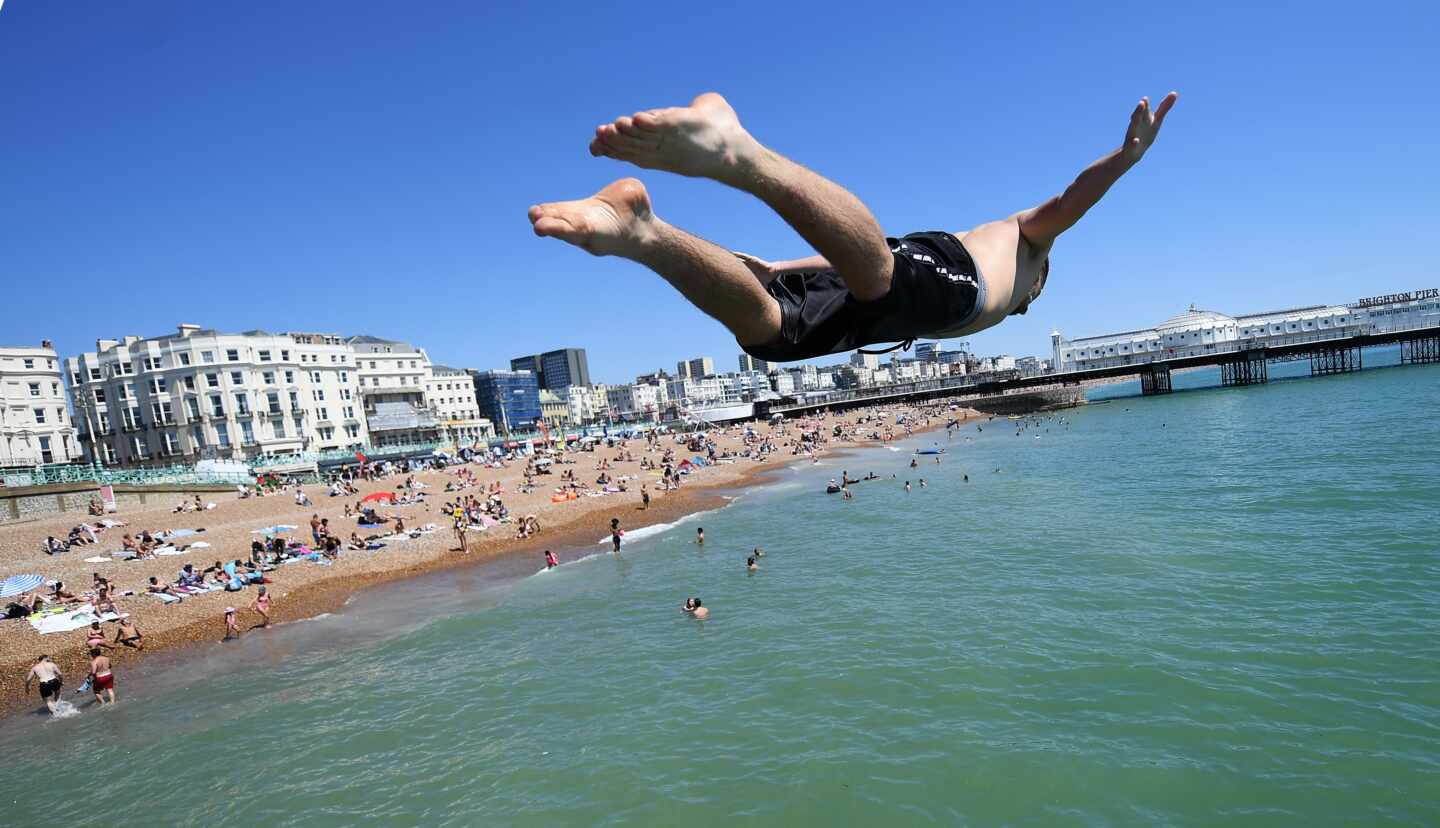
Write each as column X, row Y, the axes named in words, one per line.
column 366, row 167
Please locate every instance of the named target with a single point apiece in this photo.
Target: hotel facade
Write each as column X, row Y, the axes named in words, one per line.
column 202, row 394
column 35, row 424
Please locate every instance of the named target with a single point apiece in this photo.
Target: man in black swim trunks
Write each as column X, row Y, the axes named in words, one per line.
column 48, row 674
column 863, row 288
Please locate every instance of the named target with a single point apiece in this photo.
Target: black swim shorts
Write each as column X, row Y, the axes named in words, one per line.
column 50, row 688
column 935, row 287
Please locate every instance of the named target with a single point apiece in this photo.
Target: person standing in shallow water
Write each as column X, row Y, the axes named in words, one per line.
column 48, row 674
column 616, row 533
column 700, row 536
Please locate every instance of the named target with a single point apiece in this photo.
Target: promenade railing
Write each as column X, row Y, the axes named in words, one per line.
column 178, row 475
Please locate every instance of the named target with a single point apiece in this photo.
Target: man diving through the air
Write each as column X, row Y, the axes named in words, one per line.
column 863, row 288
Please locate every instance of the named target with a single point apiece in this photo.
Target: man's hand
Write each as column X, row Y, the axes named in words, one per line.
column 763, row 270
column 1144, row 126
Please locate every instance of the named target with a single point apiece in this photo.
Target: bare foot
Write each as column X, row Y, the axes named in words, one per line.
column 613, row 222
column 702, row 140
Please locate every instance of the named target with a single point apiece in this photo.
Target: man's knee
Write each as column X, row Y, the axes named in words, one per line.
column 761, row 328
column 873, row 283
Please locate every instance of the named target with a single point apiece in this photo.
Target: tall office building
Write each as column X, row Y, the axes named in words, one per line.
column 564, row 367
column 925, row 351
column 696, row 369
column 34, row 424
column 556, row 370
column 510, row 399
column 750, row 363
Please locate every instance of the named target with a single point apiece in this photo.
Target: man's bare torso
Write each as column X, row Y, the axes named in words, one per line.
column 1008, row 264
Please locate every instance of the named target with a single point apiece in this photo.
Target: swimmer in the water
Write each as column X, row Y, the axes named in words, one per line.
column 862, row 288
column 700, row 536
column 751, row 565
column 550, row 561
column 695, row 608
column 907, row 485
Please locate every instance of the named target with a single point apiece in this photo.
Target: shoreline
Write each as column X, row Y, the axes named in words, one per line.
column 175, row 643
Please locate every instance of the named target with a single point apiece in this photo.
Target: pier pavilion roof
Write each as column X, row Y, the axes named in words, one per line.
column 1196, row 318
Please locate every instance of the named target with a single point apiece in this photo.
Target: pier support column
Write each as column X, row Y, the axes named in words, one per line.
column 1154, row 379
column 1245, row 368
column 1420, row 350
column 1337, row 359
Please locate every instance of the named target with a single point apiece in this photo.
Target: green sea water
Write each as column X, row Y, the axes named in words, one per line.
column 1217, row 607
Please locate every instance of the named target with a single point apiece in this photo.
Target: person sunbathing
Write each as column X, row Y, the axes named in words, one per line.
column 95, row 637
column 129, row 635
column 189, row 578
column 158, row 588
column 60, row 595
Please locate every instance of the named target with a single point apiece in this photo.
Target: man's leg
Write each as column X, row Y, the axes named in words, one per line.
column 706, row 140
column 618, row 221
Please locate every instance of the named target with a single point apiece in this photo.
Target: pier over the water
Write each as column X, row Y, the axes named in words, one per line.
column 1244, row 362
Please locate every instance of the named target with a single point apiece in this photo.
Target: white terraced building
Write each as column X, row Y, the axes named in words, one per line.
column 450, row 393
column 393, row 377
column 1198, row 332
column 200, row 394
column 34, row 420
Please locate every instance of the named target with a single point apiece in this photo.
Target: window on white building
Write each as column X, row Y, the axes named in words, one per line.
column 237, row 378
column 39, row 415
column 207, row 356
column 184, row 357
column 46, row 455
column 264, row 355
column 212, row 380
column 34, row 389
column 222, row 435
column 232, row 355
column 247, row 432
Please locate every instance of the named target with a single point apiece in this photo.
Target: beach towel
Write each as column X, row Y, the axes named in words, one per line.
column 169, row 599
column 169, row 551
column 111, row 524
column 97, row 559
column 68, row 621
column 199, row 545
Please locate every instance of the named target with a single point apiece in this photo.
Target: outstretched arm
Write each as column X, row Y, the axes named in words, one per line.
column 767, row 271
column 1040, row 225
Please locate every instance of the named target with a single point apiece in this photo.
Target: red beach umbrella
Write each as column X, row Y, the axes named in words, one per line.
column 390, row 496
